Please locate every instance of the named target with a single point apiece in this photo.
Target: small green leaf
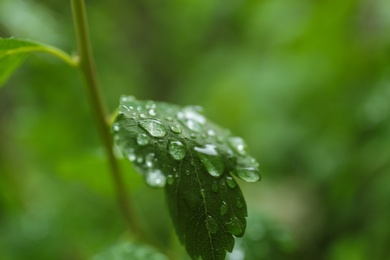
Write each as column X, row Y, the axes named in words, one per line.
column 14, row 51
column 194, row 159
column 130, row 250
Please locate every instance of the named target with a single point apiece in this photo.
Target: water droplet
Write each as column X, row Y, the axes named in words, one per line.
column 150, row 105
column 115, row 127
column 149, row 160
column 193, row 136
column 142, row 139
column 210, row 132
column 176, row 129
column 131, row 107
column 170, row 179
column 190, row 117
column 210, row 159
column 248, row 174
column 235, row 227
column 168, row 118
column 177, row 150
column 140, row 160
column 188, row 172
column 224, row 209
column 231, row 182
column 130, row 155
column 142, row 115
column 214, row 187
column 153, row 127
column 238, row 144
column 155, row 178
column 139, row 108
column 127, row 98
column 152, row 112
column 212, row 225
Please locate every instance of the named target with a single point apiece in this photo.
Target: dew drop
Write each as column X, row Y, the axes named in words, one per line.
column 190, row 117
column 231, row 182
column 149, row 160
column 235, row 227
column 237, row 144
column 210, row 159
column 130, row 155
column 140, row 160
column 150, row 105
column 193, row 136
column 153, row 127
column 224, row 209
column 116, row 127
column 170, row 179
column 169, row 119
column 220, row 139
column 177, row 150
column 210, row 132
column 139, row 108
column 152, row 112
column 212, row 225
column 155, row 178
column 248, row 174
column 214, row 187
column 142, row 115
column 142, row 139
column 176, row 129
column 127, row 98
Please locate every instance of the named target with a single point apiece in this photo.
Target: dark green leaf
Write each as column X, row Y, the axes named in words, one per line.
column 194, row 159
column 130, row 250
column 14, row 51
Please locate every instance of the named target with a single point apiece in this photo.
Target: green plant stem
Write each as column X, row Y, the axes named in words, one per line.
column 87, row 68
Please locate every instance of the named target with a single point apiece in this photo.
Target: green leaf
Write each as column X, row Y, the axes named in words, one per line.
column 194, row 159
column 14, row 51
column 130, row 250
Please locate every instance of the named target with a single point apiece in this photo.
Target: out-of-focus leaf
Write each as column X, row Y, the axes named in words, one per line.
column 130, row 250
column 14, row 51
column 194, row 159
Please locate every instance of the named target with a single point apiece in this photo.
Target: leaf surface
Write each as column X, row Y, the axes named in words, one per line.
column 14, row 51
column 194, row 159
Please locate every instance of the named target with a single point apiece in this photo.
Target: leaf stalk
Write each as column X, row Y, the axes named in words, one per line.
column 87, row 67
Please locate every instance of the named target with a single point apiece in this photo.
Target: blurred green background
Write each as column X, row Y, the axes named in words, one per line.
column 305, row 83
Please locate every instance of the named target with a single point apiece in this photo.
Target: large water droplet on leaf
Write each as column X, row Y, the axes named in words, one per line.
column 248, row 174
column 177, row 150
column 211, row 224
column 154, row 127
column 155, row 178
column 210, row 159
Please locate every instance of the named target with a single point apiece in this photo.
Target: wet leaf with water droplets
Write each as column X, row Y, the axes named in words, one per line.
column 193, row 159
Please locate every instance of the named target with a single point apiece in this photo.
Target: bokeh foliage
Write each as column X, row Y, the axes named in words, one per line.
column 310, row 81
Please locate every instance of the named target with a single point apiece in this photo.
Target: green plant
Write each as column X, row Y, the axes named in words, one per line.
column 172, row 147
